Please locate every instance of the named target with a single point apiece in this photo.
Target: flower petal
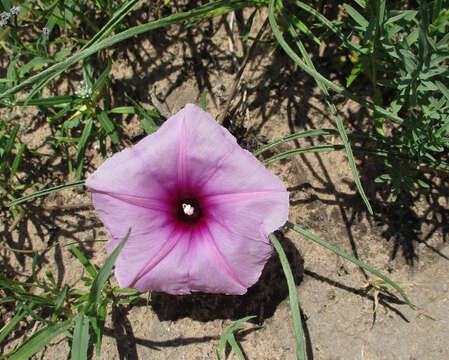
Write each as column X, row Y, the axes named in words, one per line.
column 150, row 240
column 240, row 224
column 205, row 144
column 215, row 163
column 129, row 173
column 161, row 269
column 264, row 210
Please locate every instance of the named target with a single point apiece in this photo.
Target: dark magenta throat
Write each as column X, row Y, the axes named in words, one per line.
column 188, row 211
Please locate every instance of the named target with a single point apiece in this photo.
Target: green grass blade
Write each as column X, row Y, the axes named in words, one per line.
column 80, row 342
column 103, row 76
column 356, row 261
column 45, row 192
column 84, row 261
column 9, row 145
column 82, row 144
column 441, row 165
column 122, row 110
column 203, row 100
column 16, row 161
column 39, row 86
column 298, row 135
column 20, row 314
column 293, row 152
column 228, row 336
column 39, row 340
column 116, row 18
column 108, row 126
column 293, row 297
column 112, row 40
column 356, row 16
column 288, row 50
column 61, row 297
column 103, row 275
column 146, row 120
column 50, row 101
column 337, row 118
column 97, row 323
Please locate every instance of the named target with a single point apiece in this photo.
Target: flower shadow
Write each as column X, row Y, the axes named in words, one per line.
column 261, row 300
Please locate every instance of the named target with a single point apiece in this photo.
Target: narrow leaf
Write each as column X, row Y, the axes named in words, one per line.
column 83, row 260
column 203, row 100
column 356, row 261
column 82, row 144
column 103, row 275
column 39, row 340
column 8, row 147
column 293, row 297
column 12, row 324
column 108, row 126
column 80, row 342
column 45, row 192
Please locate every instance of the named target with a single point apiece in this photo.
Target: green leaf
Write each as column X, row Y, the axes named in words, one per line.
column 203, row 100
column 61, row 297
column 146, row 120
column 122, row 110
column 293, row 297
column 355, row 72
column 113, row 22
column 317, row 76
column 39, row 340
column 83, row 260
column 422, row 184
column 9, row 145
column 45, row 76
column 80, row 342
column 298, row 135
column 108, row 126
column 62, row 54
column 247, row 28
column 322, row 83
column 97, row 323
column 444, row 90
column 359, row 19
column 50, row 101
column 35, row 64
column 82, row 144
column 102, row 78
column 20, row 314
column 16, row 161
column 103, row 275
column 356, row 261
column 228, row 336
column 45, row 192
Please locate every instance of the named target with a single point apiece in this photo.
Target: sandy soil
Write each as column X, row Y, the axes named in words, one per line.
column 405, row 240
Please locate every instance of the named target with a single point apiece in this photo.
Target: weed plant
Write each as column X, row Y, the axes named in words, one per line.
column 399, row 50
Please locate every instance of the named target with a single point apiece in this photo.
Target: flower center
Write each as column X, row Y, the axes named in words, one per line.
column 188, row 211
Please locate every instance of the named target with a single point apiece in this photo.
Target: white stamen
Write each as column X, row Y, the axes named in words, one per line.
column 188, row 209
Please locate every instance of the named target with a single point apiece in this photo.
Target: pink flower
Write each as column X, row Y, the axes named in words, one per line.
column 200, row 208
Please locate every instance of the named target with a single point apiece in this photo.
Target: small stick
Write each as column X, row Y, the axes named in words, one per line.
column 240, row 72
column 16, row 221
column 17, row 250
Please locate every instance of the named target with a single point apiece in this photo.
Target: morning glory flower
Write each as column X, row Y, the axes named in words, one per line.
column 200, row 209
